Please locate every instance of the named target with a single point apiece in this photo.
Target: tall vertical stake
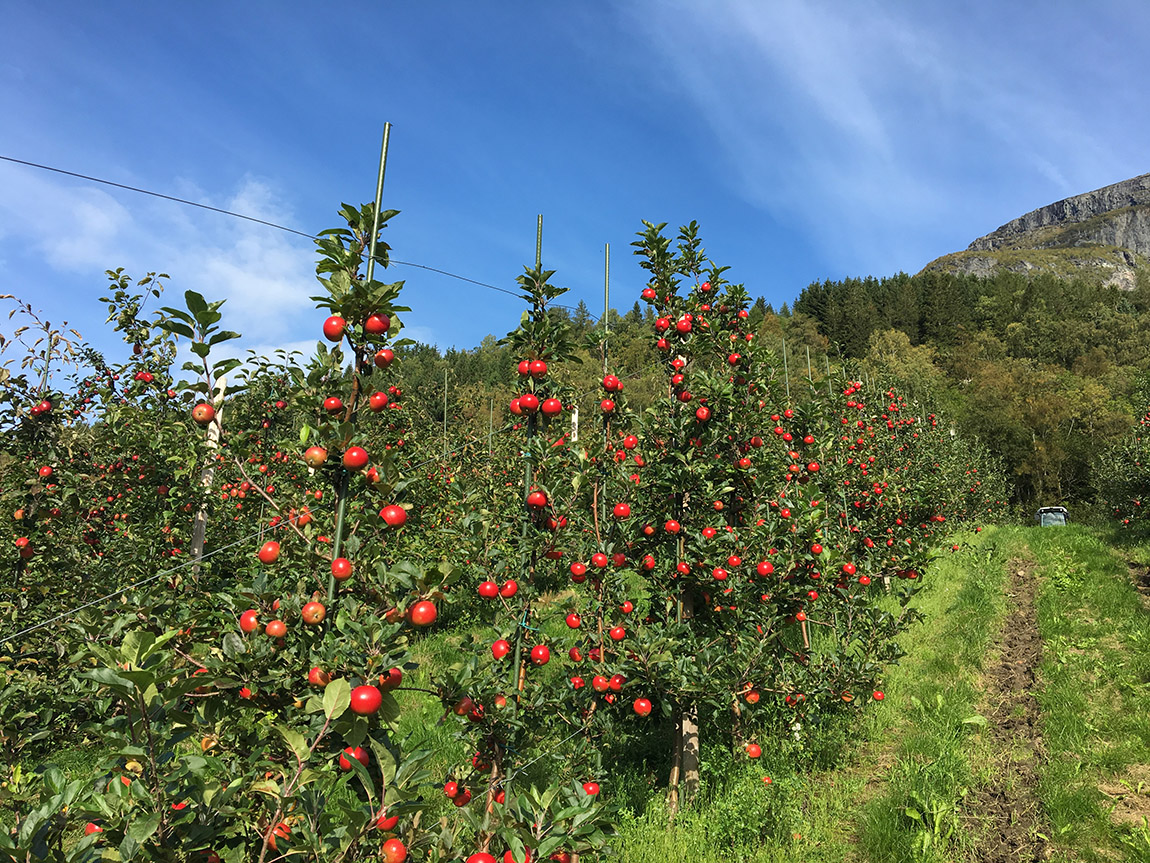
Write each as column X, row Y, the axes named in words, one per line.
column 786, row 374
column 810, row 377
column 516, row 669
column 378, row 199
column 342, row 482
column 606, row 300
column 445, row 414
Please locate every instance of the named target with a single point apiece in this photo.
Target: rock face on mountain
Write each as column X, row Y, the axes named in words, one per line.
column 1105, row 232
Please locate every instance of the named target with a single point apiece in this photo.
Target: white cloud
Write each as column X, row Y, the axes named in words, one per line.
column 877, row 125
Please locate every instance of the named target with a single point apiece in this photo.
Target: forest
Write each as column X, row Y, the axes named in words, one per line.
column 1051, row 373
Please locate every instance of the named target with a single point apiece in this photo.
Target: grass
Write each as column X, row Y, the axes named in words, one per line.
column 1095, row 696
column 855, row 807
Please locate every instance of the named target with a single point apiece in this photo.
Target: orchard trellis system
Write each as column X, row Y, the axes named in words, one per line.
column 726, row 565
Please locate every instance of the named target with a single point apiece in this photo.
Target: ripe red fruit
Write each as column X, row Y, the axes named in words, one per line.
column 702, row 413
column 203, row 413
column 276, row 629
column 341, row 569
column 393, row 851
column 575, row 655
column 849, row 568
column 617, row 633
column 358, row 753
column 630, row 442
column 611, row 383
column 451, row 788
column 622, row 510
column 500, row 648
column 391, row 679
column 355, row 458
column 423, row 613
column 599, row 560
column 537, row 499
column 529, row 402
column 393, row 515
column 537, row 369
column 481, row 857
column 552, row 407
column 591, row 788
column 509, row 589
column 333, row 328
column 333, row 404
column 270, row 552
column 672, row 526
column 91, row 828
column 754, row 750
column 313, row 613
column 642, row 706
column 377, row 325
column 878, row 695
column 578, row 569
column 377, row 402
column 249, row 620
column 315, row 456
column 540, row 654
column 816, row 549
column 318, row 677
column 365, row 700
column 508, row 857
column 45, row 471
column 489, row 590
column 607, row 406
column 385, row 822
column 574, row 621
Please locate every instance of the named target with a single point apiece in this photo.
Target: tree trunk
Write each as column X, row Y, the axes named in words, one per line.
column 207, row 476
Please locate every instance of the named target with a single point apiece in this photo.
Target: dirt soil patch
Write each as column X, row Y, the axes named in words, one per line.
column 1008, row 810
column 1130, row 796
column 1140, row 575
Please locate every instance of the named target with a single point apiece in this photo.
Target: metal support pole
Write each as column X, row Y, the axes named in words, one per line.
column 786, row 373
column 341, row 487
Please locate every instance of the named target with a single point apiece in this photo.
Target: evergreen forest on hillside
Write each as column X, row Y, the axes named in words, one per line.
column 1050, row 372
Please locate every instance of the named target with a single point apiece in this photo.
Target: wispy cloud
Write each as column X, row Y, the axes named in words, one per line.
column 876, row 130
column 266, row 276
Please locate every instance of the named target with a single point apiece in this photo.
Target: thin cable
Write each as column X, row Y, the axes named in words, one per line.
column 264, row 222
column 133, row 586
column 155, row 195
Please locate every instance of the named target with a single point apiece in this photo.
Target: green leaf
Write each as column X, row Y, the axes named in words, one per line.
column 141, row 828
column 196, row 303
column 296, row 741
column 337, row 698
column 518, row 852
column 180, row 329
column 201, row 349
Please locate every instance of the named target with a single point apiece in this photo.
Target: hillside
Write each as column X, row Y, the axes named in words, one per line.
column 1104, row 233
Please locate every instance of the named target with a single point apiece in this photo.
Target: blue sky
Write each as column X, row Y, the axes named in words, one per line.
column 810, row 140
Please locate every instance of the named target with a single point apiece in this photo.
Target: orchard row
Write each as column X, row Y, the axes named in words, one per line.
column 729, row 563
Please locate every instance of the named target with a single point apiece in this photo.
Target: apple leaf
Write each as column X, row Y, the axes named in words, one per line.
column 337, row 698
column 141, row 828
column 296, row 741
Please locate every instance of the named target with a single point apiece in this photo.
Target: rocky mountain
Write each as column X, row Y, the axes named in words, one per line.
column 1104, row 232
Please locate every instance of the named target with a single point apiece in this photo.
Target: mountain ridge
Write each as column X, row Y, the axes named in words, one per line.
column 1104, row 233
